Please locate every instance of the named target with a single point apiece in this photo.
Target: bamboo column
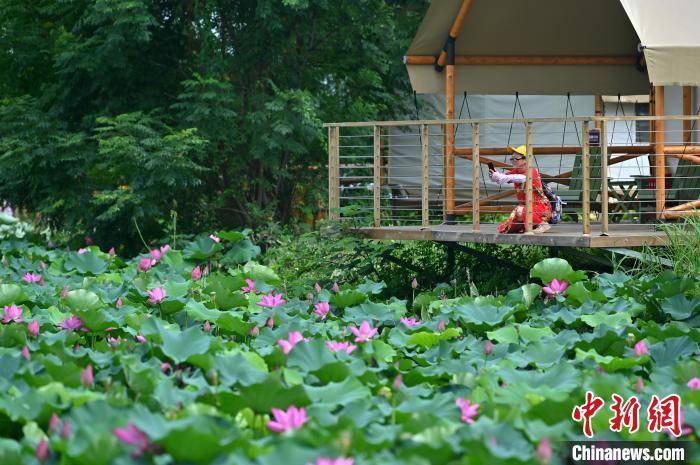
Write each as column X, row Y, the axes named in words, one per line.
column 687, row 111
column 454, row 31
column 528, row 178
column 476, row 171
column 586, row 188
column 659, row 156
column 377, row 185
column 425, row 175
column 333, row 172
column 599, row 107
column 450, row 133
column 604, row 177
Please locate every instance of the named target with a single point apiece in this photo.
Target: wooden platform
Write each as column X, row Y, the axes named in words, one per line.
column 561, row 235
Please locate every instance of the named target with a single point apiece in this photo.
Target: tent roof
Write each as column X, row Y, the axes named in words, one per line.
column 592, row 28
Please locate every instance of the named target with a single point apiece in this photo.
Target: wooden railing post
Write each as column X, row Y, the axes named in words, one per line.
column 528, row 178
column 604, row 177
column 333, row 172
column 476, row 171
column 425, row 175
column 659, row 155
column 586, row 188
column 377, row 185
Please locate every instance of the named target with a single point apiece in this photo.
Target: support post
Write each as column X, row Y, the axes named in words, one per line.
column 687, row 111
column 449, row 133
column 476, row 171
column 377, row 184
column 454, row 31
column 604, row 176
column 599, row 107
column 659, row 155
column 528, row 178
column 586, row 187
column 333, row 172
column 425, row 175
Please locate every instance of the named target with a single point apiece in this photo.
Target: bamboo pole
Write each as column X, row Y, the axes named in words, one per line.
column 454, row 32
column 333, row 172
column 687, row 110
column 679, row 214
column 586, row 188
column 659, row 156
column 528, row 178
column 425, row 175
column 599, row 108
column 377, row 185
column 568, row 150
column 476, row 171
column 450, row 142
column 604, row 176
column 513, row 60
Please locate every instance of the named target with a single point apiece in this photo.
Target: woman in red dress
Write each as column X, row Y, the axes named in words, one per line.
column 541, row 208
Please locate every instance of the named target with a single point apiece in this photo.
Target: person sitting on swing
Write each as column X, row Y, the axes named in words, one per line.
column 541, row 208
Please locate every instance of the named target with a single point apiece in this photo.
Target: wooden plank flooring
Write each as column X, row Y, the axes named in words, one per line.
column 561, row 235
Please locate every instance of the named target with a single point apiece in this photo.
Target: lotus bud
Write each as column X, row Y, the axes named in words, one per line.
column 488, row 348
column 42, row 450
column 207, row 326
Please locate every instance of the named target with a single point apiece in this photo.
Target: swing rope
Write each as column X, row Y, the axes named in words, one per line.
column 518, row 105
column 569, row 105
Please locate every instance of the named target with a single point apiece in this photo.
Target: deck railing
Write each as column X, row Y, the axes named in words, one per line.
column 644, row 169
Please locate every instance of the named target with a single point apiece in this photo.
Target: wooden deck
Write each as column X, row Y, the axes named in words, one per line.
column 561, row 235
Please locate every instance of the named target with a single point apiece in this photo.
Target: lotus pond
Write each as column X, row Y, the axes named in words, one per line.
column 202, row 355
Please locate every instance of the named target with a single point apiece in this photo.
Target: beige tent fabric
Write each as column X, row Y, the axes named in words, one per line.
column 531, row 28
column 670, row 34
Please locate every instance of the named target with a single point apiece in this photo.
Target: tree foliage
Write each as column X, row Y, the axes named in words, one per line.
column 120, row 109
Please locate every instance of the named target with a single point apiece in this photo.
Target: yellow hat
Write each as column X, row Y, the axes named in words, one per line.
column 521, row 149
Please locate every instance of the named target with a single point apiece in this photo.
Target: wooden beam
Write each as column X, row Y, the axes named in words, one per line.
column 659, row 156
column 559, row 150
column 333, row 172
column 679, row 211
column 586, row 189
column 687, row 110
column 503, row 60
column 454, row 31
column 488, row 200
column 377, row 184
column 425, row 175
column 476, row 171
column 528, row 178
column 681, row 214
column 682, row 149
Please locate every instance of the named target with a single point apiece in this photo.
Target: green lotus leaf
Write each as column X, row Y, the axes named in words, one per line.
column 179, row 346
column 11, row 294
column 556, row 268
column 88, row 262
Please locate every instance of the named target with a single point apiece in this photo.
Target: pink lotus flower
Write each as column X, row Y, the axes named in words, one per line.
column 414, row 283
column 12, row 313
column 25, row 353
column 410, row 322
column 82, row 251
column 207, row 326
column 156, row 295
column 254, row 331
column 555, row 287
column 31, row 277
column 114, row 343
column 365, row 333
column 156, row 254
column 140, row 339
column 640, row 349
column 294, row 338
column 164, row 249
column 335, row 287
column 441, row 325
column 119, row 303
column 164, row 367
column 317, row 287
column 469, row 410
column 488, row 348
column 196, row 273
column 54, row 423
column 133, row 436
column 86, row 377
column 338, row 346
column 112, row 252
column 271, row 300
column 694, row 384
column 250, row 287
column 42, row 450
column 270, row 322
column 544, row 451
column 336, row 461
column 145, row 264
column 72, row 324
column 64, row 292
column 291, row 419
column 321, row 309
column 215, row 238
column 639, row 385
